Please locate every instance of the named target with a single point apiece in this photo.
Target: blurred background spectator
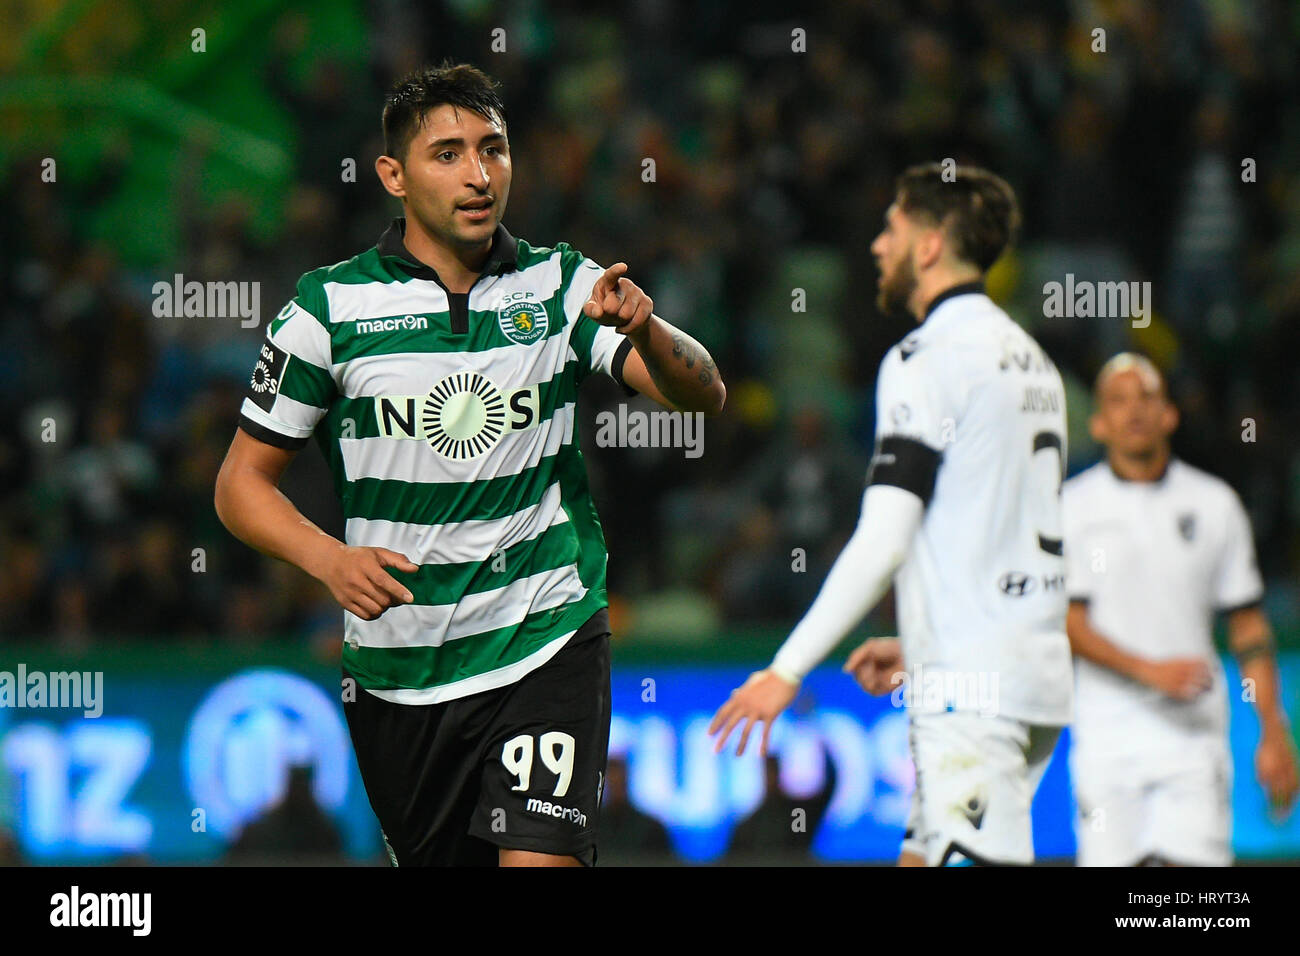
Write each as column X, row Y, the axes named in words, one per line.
column 293, row 832
column 783, row 825
column 629, row 837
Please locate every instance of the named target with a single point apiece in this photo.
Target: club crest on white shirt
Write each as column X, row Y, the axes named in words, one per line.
column 522, row 318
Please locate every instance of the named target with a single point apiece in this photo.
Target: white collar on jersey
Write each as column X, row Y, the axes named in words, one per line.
column 1158, row 481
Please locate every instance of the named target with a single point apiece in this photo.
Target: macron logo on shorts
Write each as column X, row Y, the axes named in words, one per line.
column 555, row 810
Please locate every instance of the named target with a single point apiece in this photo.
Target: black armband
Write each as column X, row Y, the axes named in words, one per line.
column 1264, row 647
column 264, row 434
column 617, row 363
column 905, row 463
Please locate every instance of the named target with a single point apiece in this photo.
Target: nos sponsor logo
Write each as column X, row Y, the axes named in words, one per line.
column 463, row 416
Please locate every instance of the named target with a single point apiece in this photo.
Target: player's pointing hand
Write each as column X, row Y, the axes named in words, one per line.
column 761, row 698
column 618, row 301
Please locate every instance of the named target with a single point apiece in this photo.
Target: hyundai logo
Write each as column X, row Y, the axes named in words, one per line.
column 1016, row 584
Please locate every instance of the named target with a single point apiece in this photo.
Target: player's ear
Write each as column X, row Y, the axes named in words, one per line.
column 1097, row 428
column 928, row 248
column 391, row 175
column 1169, row 418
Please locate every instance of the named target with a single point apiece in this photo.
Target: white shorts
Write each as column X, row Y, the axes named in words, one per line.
column 1129, row 814
column 975, row 782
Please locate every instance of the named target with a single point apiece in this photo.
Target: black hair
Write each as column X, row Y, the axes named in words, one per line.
column 976, row 207
column 409, row 102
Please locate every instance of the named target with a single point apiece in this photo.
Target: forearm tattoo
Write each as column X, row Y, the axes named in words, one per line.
column 689, row 352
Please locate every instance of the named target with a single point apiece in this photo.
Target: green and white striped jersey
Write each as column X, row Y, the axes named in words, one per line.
column 447, row 420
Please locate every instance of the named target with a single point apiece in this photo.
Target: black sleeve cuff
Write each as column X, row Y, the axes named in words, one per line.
column 264, row 434
column 905, row 463
column 616, row 366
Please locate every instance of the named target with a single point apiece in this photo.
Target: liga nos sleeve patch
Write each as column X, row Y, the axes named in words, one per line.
column 264, row 385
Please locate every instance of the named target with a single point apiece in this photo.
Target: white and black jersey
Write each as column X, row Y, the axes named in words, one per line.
column 971, row 417
column 1155, row 561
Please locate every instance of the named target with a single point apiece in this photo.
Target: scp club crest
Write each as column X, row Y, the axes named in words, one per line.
column 522, row 321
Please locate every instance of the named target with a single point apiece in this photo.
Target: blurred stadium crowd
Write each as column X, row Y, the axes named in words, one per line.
column 772, row 172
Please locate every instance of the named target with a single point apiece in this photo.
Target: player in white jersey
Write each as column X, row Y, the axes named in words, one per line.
column 962, row 514
column 1154, row 549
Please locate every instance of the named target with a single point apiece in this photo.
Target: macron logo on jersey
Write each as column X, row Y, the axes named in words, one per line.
column 404, row 323
column 549, row 809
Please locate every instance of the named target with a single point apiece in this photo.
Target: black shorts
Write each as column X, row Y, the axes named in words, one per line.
column 519, row 767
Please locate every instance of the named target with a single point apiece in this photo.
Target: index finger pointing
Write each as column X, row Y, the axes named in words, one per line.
column 608, row 281
column 613, row 273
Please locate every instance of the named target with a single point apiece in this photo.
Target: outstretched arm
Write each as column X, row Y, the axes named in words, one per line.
column 860, row 575
column 666, row 363
column 673, row 369
column 859, row 578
